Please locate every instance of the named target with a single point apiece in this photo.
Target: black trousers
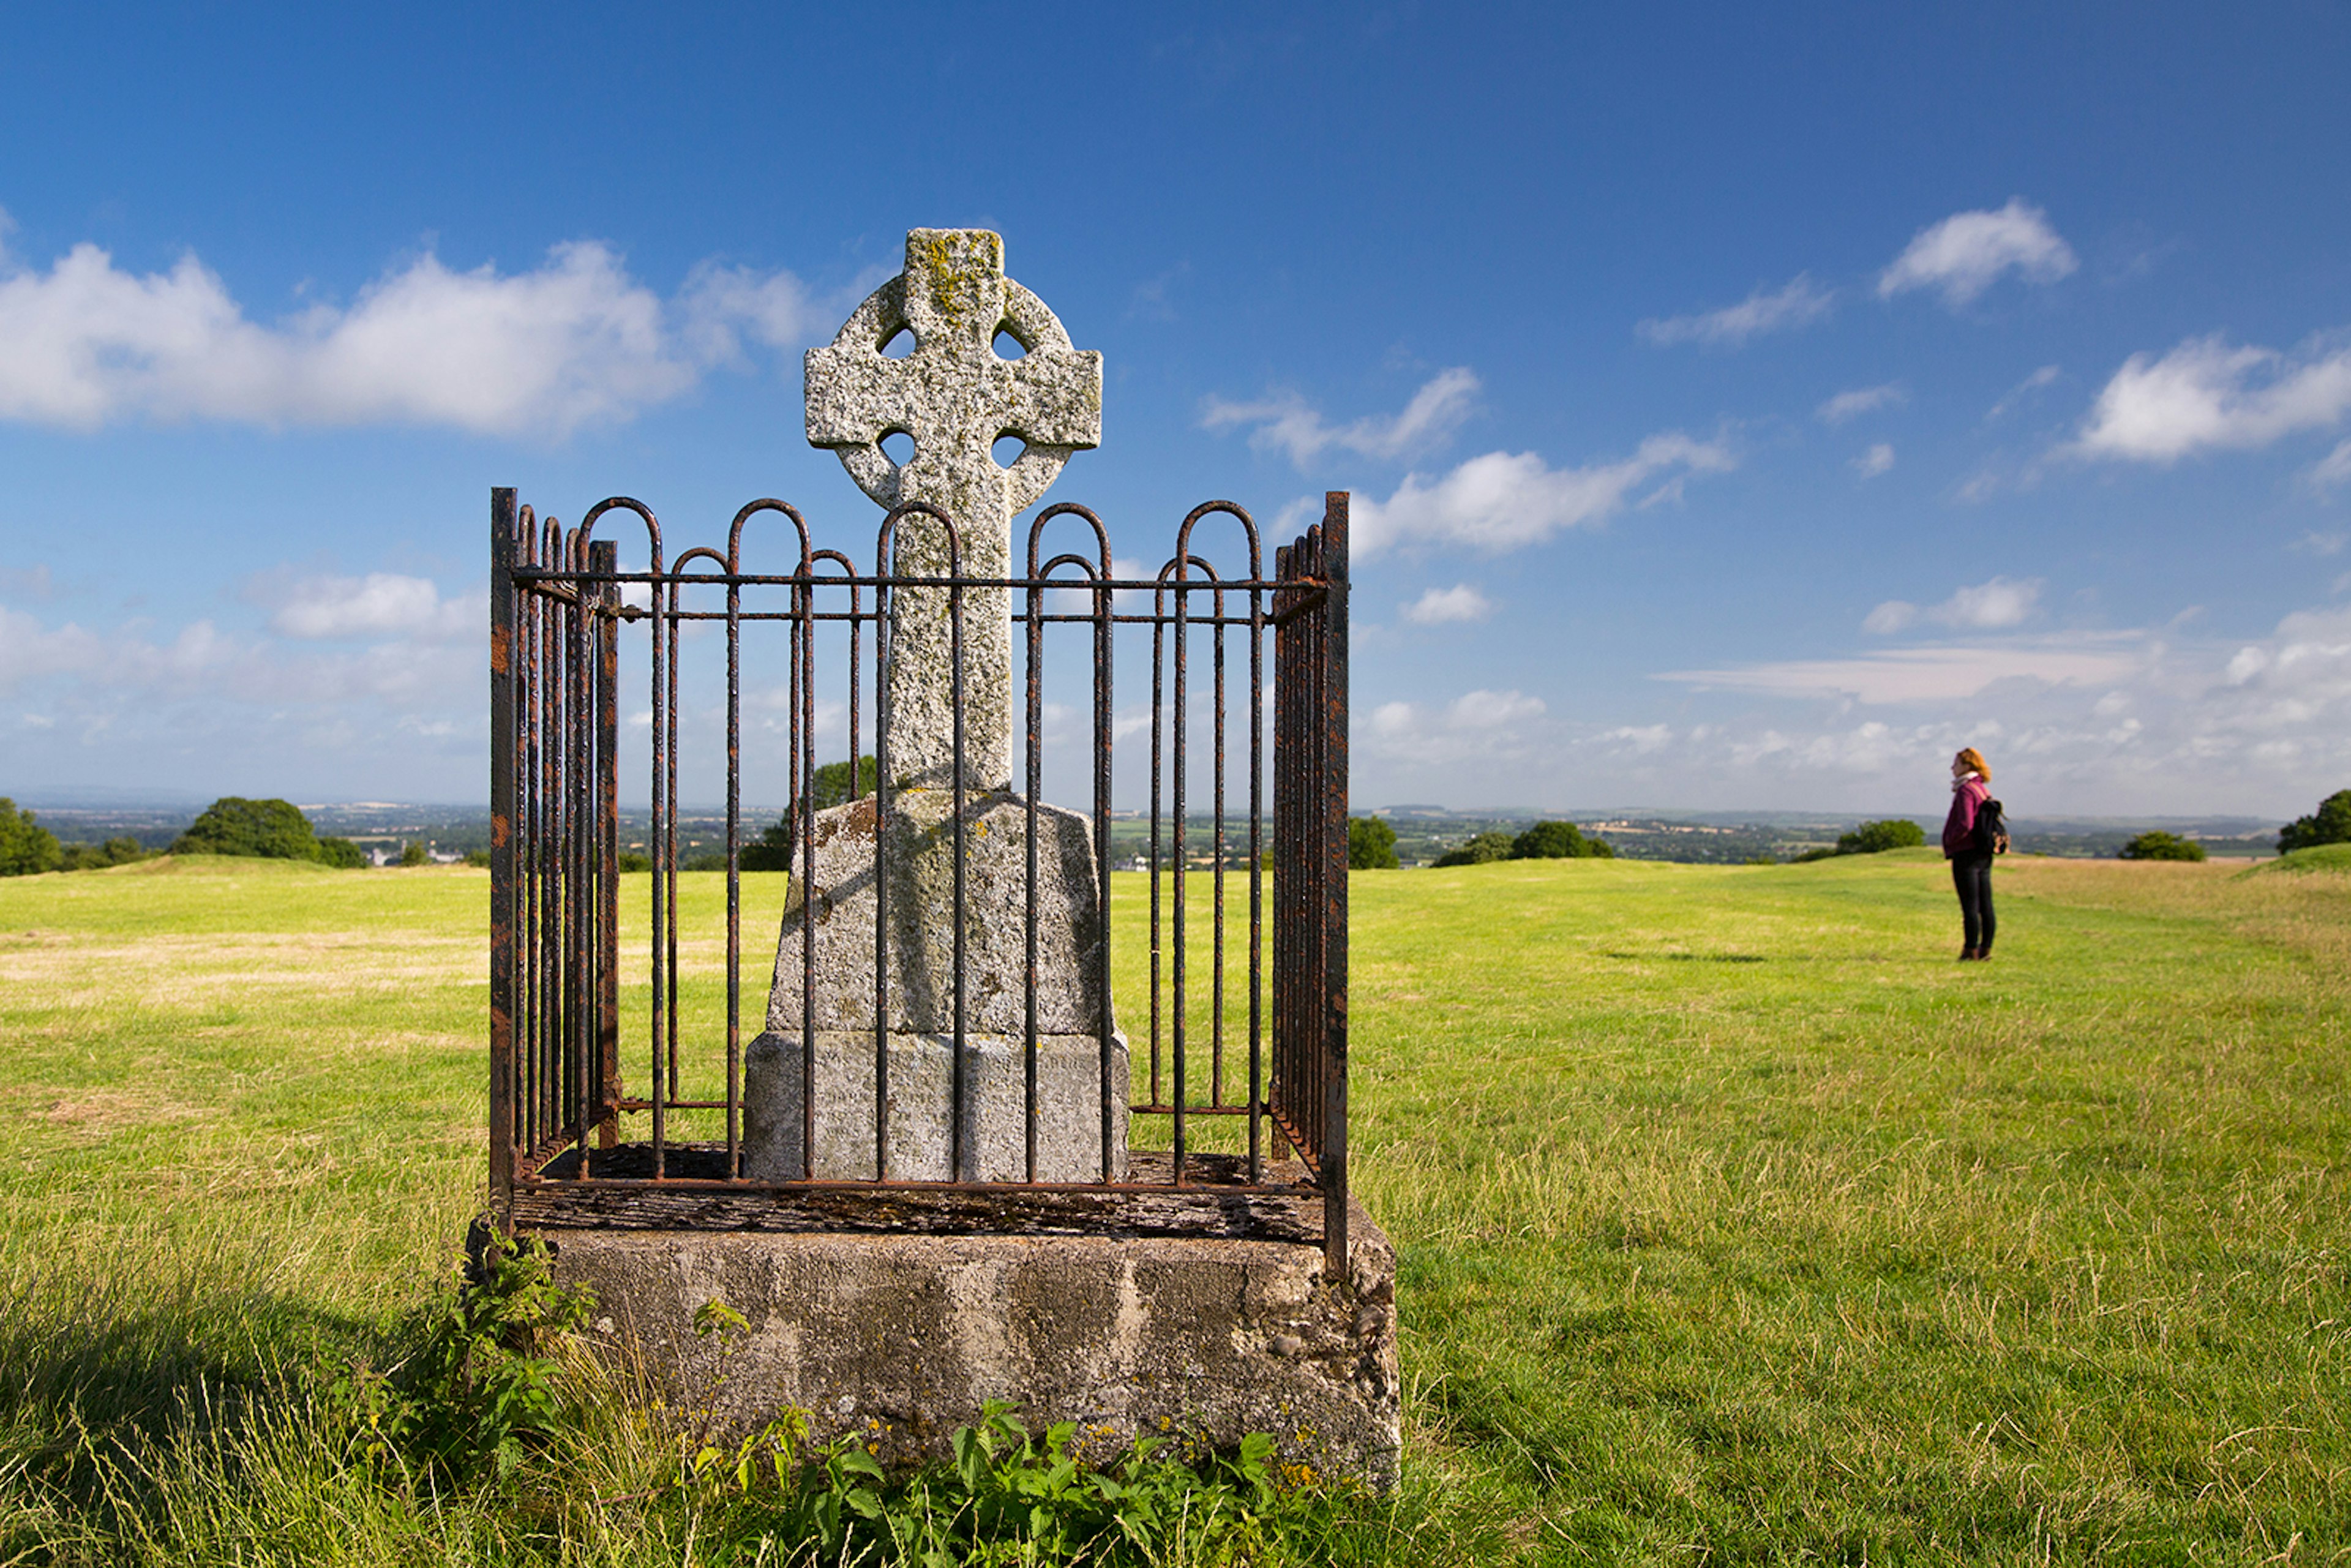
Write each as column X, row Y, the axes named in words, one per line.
column 1971, row 874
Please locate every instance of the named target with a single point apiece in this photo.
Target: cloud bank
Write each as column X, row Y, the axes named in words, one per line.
column 571, row 344
column 1506, row 501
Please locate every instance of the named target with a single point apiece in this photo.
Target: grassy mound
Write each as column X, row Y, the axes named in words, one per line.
column 2318, row 857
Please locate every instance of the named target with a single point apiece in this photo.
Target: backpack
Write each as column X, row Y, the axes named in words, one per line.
column 1990, row 836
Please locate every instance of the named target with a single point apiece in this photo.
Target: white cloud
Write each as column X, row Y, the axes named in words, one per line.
column 1930, row 675
column 2204, row 396
column 382, row 604
column 1875, row 461
column 1853, row 404
column 1505, row 500
column 203, row 664
column 574, row 343
column 1799, row 304
column 1988, row 606
column 1890, row 617
column 2147, row 721
column 1439, row 605
column 2021, row 390
column 1642, row 738
column 719, row 306
column 1491, row 710
column 2316, row 543
column 2333, row 469
column 1481, row 723
column 1288, row 422
column 1966, row 253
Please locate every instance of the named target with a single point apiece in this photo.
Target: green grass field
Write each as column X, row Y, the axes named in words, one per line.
column 1738, row 1223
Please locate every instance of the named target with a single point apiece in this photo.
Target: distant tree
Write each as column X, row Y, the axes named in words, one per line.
column 1817, row 853
column 1870, row 838
column 635, row 859
column 478, row 859
column 26, row 847
column 1550, row 842
column 832, row 783
column 1371, row 844
column 2330, row 824
column 2162, row 846
column 231, row 825
column 1479, row 851
column 120, row 851
column 1559, row 842
column 415, row 853
column 772, row 849
column 341, row 853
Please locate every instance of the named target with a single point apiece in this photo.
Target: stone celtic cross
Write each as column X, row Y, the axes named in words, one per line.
column 956, row 397
column 951, row 996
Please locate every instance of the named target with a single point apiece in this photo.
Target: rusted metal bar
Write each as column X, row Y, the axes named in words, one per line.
column 604, row 557
column 1158, row 714
column 503, row 958
column 1333, row 803
column 1034, row 715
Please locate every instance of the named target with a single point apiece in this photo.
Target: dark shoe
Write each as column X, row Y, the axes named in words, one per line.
column 1983, row 954
column 1967, row 955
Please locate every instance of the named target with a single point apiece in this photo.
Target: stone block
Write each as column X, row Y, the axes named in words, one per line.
column 913, row 859
column 901, row 1338
column 917, row 864
column 993, row 1133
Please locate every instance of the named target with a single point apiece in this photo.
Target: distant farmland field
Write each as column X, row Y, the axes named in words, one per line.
column 1738, row 1223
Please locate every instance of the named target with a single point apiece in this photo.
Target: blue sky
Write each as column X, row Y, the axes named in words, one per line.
column 1745, row 408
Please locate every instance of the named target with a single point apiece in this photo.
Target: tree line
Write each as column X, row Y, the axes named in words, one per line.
column 231, row 825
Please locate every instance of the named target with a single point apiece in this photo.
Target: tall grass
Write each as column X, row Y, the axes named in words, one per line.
column 1737, row 1222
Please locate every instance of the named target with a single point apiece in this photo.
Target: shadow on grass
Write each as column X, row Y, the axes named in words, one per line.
column 92, row 1366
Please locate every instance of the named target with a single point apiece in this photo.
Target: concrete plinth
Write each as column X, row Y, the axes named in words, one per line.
column 901, row 1338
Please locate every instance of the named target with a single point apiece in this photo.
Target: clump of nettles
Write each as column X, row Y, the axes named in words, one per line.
column 492, row 1397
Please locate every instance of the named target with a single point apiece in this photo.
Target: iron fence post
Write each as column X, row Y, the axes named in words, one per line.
column 1333, row 788
column 502, row 854
column 604, row 559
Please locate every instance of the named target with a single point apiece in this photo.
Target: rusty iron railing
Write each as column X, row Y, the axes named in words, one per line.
column 570, row 1145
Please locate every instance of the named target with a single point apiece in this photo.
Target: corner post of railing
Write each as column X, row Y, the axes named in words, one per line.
column 604, row 560
column 1332, row 792
column 502, row 855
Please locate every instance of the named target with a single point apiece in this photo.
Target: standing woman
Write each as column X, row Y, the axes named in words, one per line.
column 1970, row 867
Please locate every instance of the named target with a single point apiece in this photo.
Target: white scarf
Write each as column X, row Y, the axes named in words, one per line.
column 1962, row 783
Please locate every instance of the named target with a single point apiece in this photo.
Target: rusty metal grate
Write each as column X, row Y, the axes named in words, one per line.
column 590, row 1112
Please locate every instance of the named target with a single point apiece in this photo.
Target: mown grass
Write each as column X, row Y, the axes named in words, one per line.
column 1737, row 1221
